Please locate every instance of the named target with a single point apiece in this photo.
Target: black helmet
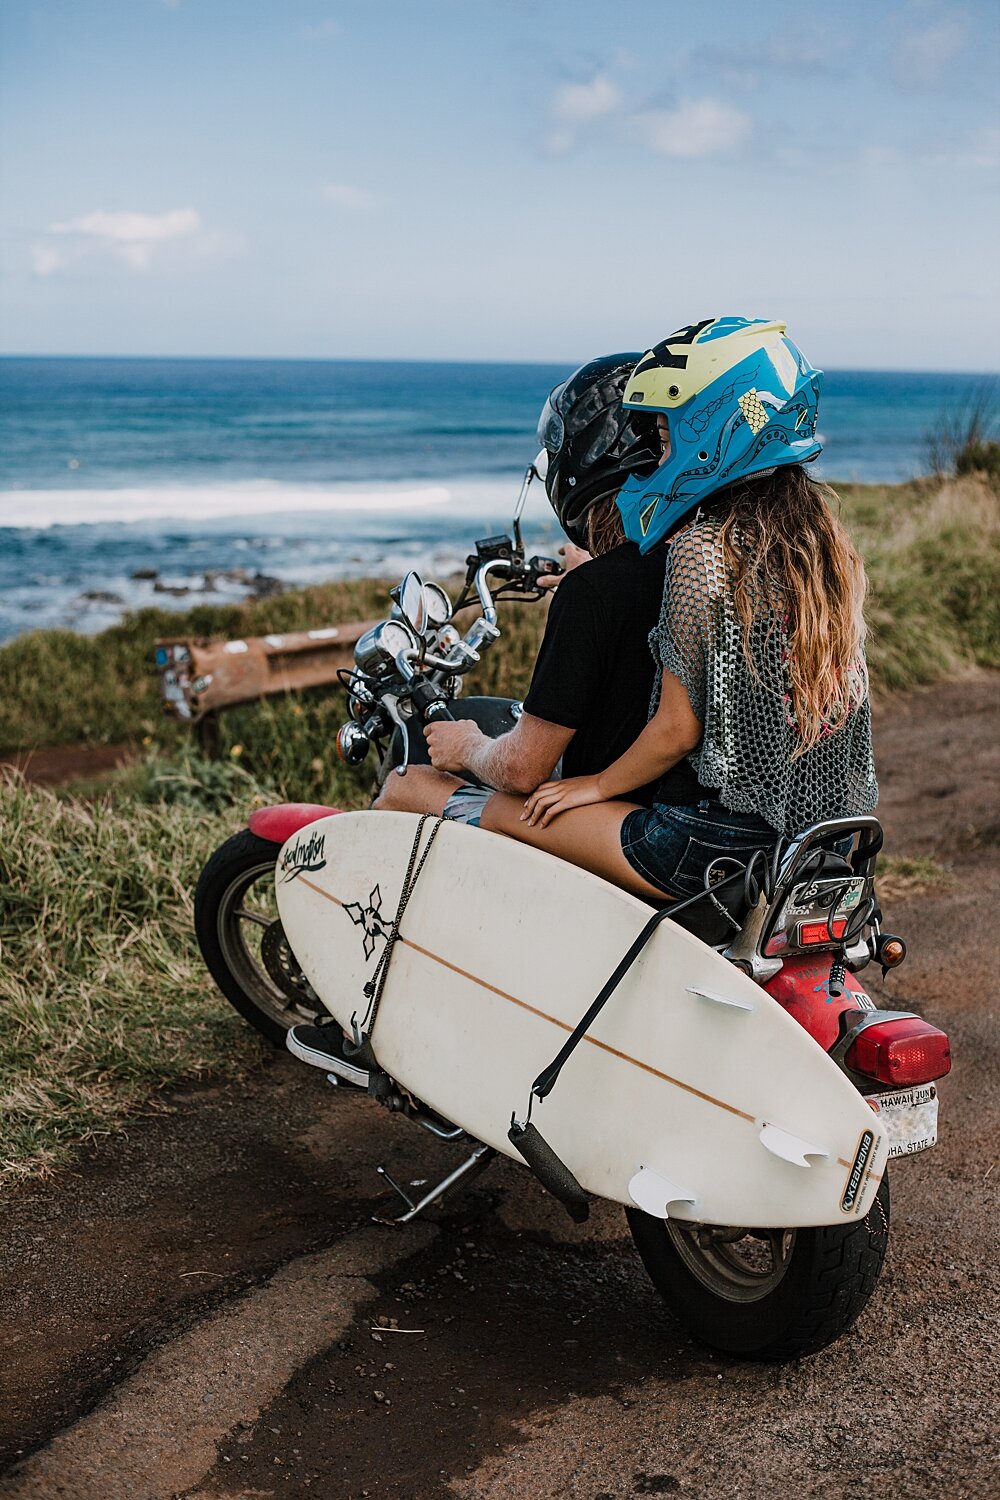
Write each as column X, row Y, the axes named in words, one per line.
column 593, row 443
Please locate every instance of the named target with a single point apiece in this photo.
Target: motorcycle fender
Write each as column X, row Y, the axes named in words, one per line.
column 802, row 988
column 278, row 822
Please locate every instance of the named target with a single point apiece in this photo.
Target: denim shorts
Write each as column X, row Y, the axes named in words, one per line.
column 671, row 847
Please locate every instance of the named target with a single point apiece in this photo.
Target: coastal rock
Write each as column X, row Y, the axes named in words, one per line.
column 263, row 586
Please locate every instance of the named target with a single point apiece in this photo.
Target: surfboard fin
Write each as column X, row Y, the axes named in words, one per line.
column 731, row 1002
column 790, row 1147
column 551, row 1171
column 654, row 1194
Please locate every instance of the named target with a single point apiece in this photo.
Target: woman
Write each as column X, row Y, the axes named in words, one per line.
column 591, row 684
column 762, row 681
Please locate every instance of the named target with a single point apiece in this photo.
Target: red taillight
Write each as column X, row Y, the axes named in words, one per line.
column 820, row 932
column 900, row 1052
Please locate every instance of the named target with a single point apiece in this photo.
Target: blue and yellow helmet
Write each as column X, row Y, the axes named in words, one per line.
column 740, row 398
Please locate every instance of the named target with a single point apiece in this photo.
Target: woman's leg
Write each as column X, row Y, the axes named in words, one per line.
column 585, row 836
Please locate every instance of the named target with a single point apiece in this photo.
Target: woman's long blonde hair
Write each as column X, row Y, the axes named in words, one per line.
column 789, row 556
column 790, row 563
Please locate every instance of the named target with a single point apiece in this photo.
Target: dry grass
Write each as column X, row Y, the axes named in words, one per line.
column 899, row 878
column 933, row 554
column 104, row 998
column 932, row 551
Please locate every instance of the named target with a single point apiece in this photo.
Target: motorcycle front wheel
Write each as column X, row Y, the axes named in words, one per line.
column 773, row 1294
column 242, row 940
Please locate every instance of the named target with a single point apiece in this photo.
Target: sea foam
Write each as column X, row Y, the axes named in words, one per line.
column 40, row 509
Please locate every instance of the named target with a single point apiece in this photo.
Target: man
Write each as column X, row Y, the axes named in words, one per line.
column 592, row 683
column 591, row 687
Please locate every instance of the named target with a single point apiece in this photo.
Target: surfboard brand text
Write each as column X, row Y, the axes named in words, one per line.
column 858, row 1171
column 304, row 857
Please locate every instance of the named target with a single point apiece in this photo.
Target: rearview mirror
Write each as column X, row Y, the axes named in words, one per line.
column 410, row 599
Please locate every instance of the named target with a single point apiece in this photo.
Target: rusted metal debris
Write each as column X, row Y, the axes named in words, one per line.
column 199, row 677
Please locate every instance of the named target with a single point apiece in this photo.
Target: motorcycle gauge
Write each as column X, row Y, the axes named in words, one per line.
column 437, row 604
column 379, row 647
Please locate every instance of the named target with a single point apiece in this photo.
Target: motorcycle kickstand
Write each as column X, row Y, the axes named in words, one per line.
column 480, row 1159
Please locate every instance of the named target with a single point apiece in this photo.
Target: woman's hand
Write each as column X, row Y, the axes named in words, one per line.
column 450, row 743
column 554, row 797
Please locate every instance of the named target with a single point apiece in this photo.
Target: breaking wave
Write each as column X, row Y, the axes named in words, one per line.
column 237, row 501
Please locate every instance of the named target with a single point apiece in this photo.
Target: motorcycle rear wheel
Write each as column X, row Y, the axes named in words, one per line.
column 764, row 1294
column 242, row 942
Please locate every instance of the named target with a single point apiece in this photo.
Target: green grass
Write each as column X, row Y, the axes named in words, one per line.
column 899, row 877
column 289, row 742
column 965, row 438
column 932, row 549
column 60, row 688
column 104, row 998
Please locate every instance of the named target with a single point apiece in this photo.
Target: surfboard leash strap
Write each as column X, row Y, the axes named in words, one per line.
column 546, row 1079
column 374, row 986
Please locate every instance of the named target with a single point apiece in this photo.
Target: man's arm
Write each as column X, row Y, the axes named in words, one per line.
column 516, row 762
column 563, row 686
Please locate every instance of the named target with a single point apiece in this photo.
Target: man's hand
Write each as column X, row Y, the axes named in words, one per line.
column 451, row 743
column 572, row 557
column 555, row 797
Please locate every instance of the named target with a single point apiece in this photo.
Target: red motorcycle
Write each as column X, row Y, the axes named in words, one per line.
column 803, row 927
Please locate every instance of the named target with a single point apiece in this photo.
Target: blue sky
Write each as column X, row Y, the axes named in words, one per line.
column 498, row 179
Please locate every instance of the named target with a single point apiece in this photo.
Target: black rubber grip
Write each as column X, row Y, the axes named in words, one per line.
column 551, row 1171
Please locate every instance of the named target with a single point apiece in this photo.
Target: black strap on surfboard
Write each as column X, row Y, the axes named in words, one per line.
column 546, row 1079
column 360, row 1048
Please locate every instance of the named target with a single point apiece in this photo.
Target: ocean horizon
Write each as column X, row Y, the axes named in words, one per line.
column 199, row 474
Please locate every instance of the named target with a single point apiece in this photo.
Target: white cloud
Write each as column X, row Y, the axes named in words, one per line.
column 45, row 259
column 877, row 156
column 353, row 200
column 127, row 236
column 813, row 46
column 322, row 31
column 981, row 150
column 576, row 103
column 558, row 141
column 693, row 128
column 922, row 58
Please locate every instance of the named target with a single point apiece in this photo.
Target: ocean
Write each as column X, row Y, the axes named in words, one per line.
column 207, row 477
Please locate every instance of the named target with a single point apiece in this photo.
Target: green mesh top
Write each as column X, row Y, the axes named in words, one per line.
column 747, row 750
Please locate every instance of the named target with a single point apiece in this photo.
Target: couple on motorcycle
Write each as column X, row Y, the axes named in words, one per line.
column 701, row 684
column 749, row 718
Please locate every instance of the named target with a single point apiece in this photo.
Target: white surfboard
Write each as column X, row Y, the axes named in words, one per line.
column 693, row 1095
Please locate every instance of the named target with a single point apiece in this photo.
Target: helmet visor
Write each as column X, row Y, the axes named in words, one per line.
column 598, row 420
column 551, row 431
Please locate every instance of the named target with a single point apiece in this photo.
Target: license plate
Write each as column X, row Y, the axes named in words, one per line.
column 909, row 1117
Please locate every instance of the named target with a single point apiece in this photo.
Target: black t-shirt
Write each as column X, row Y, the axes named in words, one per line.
column 595, row 671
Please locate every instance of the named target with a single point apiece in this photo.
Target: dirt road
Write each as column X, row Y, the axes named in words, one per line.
column 203, row 1308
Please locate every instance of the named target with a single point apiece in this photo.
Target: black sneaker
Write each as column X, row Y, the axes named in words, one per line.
column 323, row 1047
